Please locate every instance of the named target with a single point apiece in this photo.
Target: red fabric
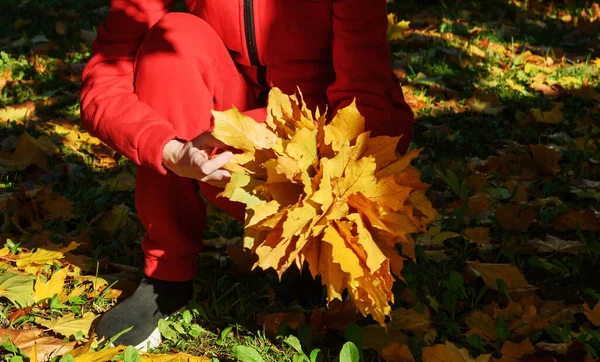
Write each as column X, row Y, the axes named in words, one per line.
column 154, row 77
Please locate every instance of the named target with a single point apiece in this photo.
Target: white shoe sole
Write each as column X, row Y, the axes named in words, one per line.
column 154, row 339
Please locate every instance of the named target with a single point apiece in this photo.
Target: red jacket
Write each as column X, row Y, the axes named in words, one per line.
column 333, row 50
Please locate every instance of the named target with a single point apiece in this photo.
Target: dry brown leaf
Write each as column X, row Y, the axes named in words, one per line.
column 411, row 320
column 585, row 220
column 515, row 217
column 377, row 337
column 57, row 206
column 26, row 153
column 511, row 312
column 482, row 325
column 270, row 322
column 490, row 273
column 449, row 352
column 479, row 202
column 553, row 245
column 396, row 352
column 593, row 315
column 45, row 347
column 548, row 90
column 512, row 352
column 546, row 157
column 558, row 348
column 479, row 235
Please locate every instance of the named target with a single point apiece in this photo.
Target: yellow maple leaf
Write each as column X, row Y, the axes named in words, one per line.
column 347, row 124
column 4, row 251
column 68, row 325
column 43, row 290
column 303, row 147
column 45, row 255
column 245, row 133
column 396, row 30
column 327, row 195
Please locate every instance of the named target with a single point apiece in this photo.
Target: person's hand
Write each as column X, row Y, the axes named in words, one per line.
column 192, row 159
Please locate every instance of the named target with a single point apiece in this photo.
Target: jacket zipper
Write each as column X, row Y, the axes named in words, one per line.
column 249, row 28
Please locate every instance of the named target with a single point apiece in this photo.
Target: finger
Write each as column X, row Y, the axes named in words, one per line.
column 218, row 175
column 215, row 163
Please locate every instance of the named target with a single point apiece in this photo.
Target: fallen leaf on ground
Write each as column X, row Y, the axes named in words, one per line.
column 411, row 319
column 559, row 348
column 484, row 102
column 176, row 357
column 122, row 182
column 512, row 352
column 18, row 112
column 396, row 29
column 272, row 321
column 482, row 325
column 45, row 347
column 26, row 153
column 553, row 245
column 57, row 206
column 377, row 337
column 45, row 255
column 85, row 354
column 586, row 220
column 114, row 219
column 48, row 289
column 490, row 273
column 479, row 235
column 515, row 217
column 68, row 325
column 17, row 288
column 593, row 315
column 546, row 157
column 552, row 116
column 449, row 352
column 395, row 352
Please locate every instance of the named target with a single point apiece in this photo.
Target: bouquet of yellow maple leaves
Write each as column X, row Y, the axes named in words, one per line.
column 325, row 194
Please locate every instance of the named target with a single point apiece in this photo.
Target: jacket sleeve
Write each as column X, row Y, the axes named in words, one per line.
column 110, row 110
column 362, row 63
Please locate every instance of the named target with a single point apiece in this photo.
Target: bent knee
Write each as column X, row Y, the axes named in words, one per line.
column 181, row 33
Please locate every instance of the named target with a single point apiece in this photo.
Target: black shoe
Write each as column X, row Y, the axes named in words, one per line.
column 153, row 300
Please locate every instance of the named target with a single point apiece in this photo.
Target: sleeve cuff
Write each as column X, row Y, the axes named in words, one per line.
column 151, row 144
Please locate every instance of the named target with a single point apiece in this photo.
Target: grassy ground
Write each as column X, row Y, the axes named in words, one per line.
column 507, row 105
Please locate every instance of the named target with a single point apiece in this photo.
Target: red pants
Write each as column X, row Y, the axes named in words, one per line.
column 183, row 71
